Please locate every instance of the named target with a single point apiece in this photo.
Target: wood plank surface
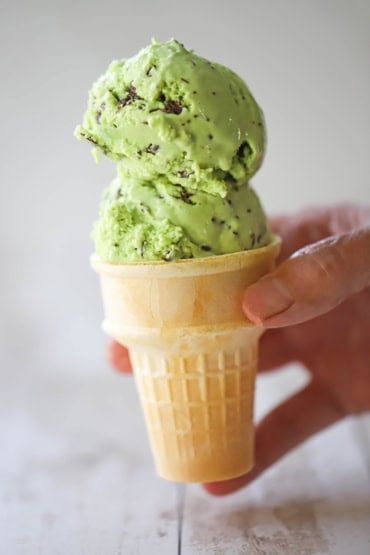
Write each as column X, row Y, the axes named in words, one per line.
column 315, row 501
column 76, row 473
column 76, row 477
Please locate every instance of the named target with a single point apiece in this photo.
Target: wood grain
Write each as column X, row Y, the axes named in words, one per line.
column 76, row 477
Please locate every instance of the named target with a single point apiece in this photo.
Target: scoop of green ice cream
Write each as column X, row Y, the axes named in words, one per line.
column 169, row 112
column 145, row 220
column 186, row 135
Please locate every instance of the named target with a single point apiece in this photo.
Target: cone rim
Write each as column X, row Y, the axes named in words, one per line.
column 189, row 266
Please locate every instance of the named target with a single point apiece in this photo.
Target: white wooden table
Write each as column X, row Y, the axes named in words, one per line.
column 76, row 477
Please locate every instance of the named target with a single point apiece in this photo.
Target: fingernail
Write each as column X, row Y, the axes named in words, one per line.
column 266, row 298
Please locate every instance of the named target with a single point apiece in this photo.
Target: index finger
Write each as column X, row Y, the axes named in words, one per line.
column 118, row 357
column 299, row 230
column 314, row 224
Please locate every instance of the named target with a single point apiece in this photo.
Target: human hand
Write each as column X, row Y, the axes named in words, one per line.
column 317, row 306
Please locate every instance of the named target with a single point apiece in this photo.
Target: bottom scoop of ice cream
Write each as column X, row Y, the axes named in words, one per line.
column 152, row 221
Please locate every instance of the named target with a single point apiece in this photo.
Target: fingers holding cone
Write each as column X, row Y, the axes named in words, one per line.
column 118, row 357
column 275, row 350
column 306, row 413
column 311, row 282
column 309, row 411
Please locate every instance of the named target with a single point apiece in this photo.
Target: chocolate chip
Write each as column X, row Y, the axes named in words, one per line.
column 130, row 97
column 185, row 80
column 252, row 236
column 210, row 137
column 152, row 149
column 166, row 256
column 183, row 173
column 99, row 112
column 183, row 194
column 132, row 91
column 149, row 71
column 114, row 94
column 89, row 138
column 206, row 248
column 172, row 107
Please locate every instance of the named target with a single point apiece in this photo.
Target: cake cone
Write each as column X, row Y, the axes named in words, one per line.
column 194, row 356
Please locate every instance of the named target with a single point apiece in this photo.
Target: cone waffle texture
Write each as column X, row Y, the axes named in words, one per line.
column 194, row 357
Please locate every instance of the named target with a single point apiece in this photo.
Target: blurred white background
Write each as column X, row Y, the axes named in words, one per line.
column 307, row 64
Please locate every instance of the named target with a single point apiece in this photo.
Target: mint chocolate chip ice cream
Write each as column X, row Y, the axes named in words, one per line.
column 186, row 135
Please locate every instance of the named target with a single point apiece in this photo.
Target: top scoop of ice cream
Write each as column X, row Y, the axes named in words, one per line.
column 169, row 112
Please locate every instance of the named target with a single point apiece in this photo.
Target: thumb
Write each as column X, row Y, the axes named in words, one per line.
column 311, row 282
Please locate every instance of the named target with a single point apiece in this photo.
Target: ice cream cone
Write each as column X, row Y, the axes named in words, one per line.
column 194, row 356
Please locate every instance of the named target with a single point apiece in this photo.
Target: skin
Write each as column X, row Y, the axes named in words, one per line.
column 316, row 307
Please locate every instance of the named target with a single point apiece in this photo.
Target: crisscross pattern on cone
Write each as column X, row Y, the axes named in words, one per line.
column 199, row 410
column 194, row 356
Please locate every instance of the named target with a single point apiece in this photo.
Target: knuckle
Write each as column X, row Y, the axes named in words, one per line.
column 325, row 268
